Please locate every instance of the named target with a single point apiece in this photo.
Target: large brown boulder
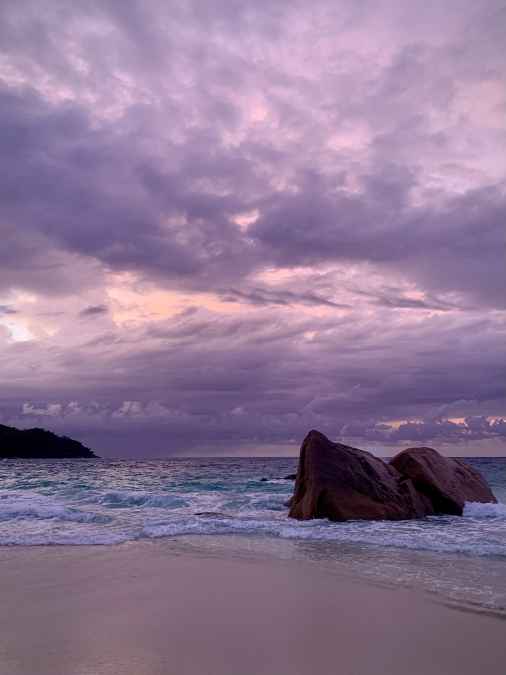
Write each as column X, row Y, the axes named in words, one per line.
column 447, row 483
column 338, row 482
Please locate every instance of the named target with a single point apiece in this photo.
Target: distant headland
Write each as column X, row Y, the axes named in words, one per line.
column 39, row 444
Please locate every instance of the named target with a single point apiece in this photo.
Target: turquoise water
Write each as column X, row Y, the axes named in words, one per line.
column 83, row 502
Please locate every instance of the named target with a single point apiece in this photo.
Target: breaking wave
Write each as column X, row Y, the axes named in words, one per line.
column 478, row 510
column 108, row 502
column 111, row 502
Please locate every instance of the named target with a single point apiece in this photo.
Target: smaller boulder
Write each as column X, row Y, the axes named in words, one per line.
column 447, row 483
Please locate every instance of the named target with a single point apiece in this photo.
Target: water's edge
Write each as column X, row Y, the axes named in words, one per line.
column 242, row 502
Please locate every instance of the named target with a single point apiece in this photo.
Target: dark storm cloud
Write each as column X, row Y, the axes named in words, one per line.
column 62, row 179
column 457, row 247
column 62, row 168
column 266, row 296
column 91, row 192
column 394, row 298
column 93, row 310
column 187, row 381
column 226, row 149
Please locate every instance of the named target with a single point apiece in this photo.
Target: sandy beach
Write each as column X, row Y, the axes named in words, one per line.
column 154, row 608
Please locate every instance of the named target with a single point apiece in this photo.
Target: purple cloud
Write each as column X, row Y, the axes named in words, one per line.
column 266, row 218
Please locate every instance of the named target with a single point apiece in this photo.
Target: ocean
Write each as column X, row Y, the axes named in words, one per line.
column 240, row 504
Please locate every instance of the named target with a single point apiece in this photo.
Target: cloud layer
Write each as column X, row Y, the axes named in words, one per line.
column 225, row 224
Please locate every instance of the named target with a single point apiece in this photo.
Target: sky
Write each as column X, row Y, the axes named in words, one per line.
column 225, row 223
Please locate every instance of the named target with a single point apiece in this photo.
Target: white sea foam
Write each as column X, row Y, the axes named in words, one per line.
column 417, row 536
column 259, row 514
column 479, row 510
column 67, row 538
column 68, row 504
column 126, row 499
column 31, row 505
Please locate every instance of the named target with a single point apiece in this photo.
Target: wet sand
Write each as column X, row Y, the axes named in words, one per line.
column 151, row 608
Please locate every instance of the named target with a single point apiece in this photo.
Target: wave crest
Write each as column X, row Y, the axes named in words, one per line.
column 479, row 510
column 126, row 499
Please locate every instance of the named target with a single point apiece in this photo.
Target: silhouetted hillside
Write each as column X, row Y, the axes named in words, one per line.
column 38, row 443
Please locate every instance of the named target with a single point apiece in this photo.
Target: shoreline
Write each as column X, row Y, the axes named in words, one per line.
column 167, row 606
column 344, row 561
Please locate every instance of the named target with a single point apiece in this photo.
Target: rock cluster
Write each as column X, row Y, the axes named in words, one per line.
column 339, row 482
